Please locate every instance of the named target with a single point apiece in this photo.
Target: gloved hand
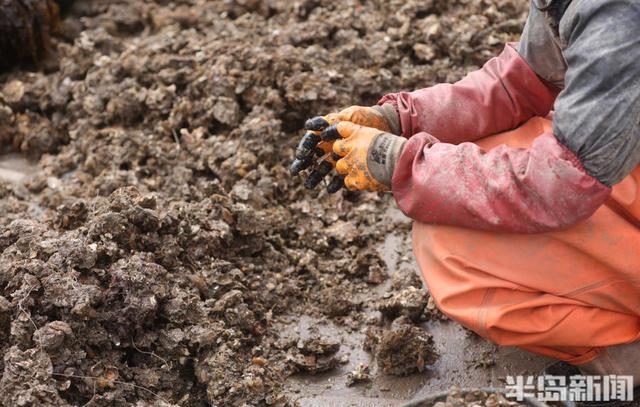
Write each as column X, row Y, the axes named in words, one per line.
column 368, row 156
column 321, row 132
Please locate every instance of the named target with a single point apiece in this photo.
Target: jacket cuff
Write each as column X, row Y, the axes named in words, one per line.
column 383, row 155
column 389, row 112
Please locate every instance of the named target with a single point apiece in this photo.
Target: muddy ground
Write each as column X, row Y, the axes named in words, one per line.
column 158, row 253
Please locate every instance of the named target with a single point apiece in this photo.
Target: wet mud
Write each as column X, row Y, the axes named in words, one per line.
column 154, row 249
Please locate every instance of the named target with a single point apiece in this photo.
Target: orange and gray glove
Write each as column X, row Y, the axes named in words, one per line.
column 367, row 156
column 315, row 148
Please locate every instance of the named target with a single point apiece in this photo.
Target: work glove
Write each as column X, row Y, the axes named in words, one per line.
column 367, row 156
column 315, row 148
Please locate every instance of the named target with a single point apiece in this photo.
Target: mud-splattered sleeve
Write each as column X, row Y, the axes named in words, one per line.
column 524, row 190
column 499, row 97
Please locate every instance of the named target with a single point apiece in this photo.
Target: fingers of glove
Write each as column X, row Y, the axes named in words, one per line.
column 332, row 118
column 317, row 123
column 318, row 174
column 365, row 116
column 349, row 114
column 348, row 129
column 342, row 147
column 330, row 133
column 342, row 167
column 339, row 148
column 343, row 129
column 331, row 158
column 307, row 145
column 325, row 147
column 301, row 164
column 336, row 184
column 312, row 141
column 351, row 183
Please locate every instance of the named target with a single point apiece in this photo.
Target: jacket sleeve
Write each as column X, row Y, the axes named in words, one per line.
column 533, row 190
column 499, row 97
column 565, row 175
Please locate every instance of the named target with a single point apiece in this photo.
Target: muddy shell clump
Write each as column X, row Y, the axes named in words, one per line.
column 402, row 349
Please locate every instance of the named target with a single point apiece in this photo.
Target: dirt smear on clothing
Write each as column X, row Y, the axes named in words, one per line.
column 160, row 245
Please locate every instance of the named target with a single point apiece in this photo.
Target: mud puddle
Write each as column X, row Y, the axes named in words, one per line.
column 465, row 359
column 15, row 168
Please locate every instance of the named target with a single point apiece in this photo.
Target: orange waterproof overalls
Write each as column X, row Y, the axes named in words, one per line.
column 564, row 294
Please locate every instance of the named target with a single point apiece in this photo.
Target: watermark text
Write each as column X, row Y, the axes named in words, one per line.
column 572, row 388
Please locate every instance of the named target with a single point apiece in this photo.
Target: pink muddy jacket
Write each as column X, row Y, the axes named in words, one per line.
column 442, row 178
column 564, row 176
